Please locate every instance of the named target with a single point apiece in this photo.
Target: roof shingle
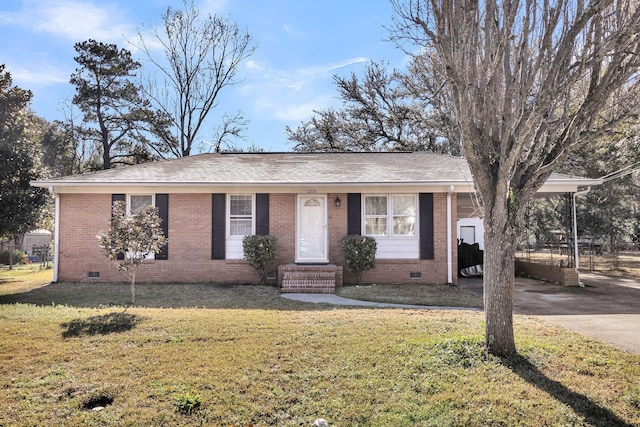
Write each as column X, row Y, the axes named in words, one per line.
column 287, row 168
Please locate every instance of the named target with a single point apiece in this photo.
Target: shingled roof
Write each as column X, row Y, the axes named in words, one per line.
column 288, row 169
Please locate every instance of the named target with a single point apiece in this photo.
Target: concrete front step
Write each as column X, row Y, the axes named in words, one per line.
column 300, row 278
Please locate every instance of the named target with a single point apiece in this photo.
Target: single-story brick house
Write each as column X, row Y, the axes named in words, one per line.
column 409, row 202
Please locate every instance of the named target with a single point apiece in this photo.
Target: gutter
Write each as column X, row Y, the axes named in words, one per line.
column 449, row 243
column 56, row 235
column 280, row 184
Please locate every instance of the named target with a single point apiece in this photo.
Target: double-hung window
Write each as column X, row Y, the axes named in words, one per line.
column 241, row 215
column 375, row 215
column 404, row 214
column 138, row 202
column 390, row 215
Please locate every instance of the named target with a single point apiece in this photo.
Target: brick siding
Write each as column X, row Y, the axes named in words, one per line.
column 83, row 216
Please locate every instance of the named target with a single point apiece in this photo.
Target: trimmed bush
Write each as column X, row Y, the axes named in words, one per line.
column 359, row 254
column 260, row 251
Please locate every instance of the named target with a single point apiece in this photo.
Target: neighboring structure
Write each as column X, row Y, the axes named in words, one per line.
column 410, row 202
column 36, row 244
column 471, row 231
column 36, row 238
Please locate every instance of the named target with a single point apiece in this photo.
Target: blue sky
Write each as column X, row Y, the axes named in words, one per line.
column 301, row 45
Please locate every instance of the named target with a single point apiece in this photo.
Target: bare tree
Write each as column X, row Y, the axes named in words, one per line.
column 530, row 80
column 381, row 112
column 201, row 57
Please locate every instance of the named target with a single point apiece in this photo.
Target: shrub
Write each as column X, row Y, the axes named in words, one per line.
column 260, row 251
column 359, row 254
column 187, row 403
column 18, row 257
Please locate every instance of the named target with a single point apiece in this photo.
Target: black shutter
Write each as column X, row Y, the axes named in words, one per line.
column 426, row 225
column 262, row 214
column 354, row 213
column 218, row 220
column 118, row 198
column 162, row 203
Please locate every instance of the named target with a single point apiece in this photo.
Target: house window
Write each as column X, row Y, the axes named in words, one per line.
column 138, row 202
column 392, row 215
column 241, row 208
column 404, row 214
column 375, row 215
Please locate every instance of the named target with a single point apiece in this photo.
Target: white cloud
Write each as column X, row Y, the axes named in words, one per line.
column 39, row 75
column 330, row 68
column 211, row 6
column 7, row 18
column 253, row 65
column 290, row 30
column 75, row 20
column 299, row 111
column 291, row 95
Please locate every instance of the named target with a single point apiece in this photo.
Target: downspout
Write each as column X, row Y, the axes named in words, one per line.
column 56, row 235
column 575, row 230
column 449, row 244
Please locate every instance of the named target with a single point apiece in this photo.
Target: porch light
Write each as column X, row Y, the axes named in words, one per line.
column 337, row 202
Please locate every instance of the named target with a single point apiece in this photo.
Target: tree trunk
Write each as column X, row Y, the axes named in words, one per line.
column 499, row 280
column 133, row 289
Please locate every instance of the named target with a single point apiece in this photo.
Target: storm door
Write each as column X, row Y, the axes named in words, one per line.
column 311, row 229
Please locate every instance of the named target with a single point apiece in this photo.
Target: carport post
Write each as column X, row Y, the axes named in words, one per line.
column 575, row 229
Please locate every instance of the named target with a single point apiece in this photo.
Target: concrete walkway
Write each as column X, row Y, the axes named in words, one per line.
column 607, row 308
column 338, row 300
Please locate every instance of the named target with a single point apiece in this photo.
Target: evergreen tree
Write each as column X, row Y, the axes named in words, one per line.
column 20, row 203
column 115, row 115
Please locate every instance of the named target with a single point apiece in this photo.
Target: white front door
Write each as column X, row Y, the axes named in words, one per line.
column 311, row 229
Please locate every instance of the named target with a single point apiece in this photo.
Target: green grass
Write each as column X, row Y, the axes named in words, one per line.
column 429, row 295
column 257, row 359
column 23, row 278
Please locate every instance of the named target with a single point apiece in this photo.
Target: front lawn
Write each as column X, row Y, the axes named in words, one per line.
column 258, row 359
column 429, row 295
column 15, row 284
column 282, row 367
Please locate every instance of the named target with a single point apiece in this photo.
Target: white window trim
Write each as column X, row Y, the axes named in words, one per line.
column 128, row 200
column 416, row 224
column 389, row 234
column 253, row 215
column 364, row 215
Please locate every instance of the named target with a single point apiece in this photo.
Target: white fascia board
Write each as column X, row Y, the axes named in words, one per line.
column 204, row 187
column 569, row 185
column 558, row 185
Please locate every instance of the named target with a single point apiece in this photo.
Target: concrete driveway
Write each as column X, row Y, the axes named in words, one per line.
column 607, row 308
